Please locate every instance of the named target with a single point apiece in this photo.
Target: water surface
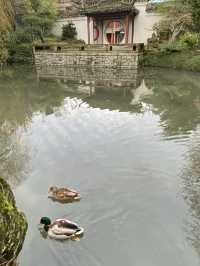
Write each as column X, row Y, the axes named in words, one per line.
column 128, row 141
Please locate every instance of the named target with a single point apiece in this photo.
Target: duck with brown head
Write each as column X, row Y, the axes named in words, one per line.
column 63, row 195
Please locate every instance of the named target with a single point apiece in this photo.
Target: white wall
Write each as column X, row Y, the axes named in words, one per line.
column 130, row 30
column 143, row 25
column 80, row 24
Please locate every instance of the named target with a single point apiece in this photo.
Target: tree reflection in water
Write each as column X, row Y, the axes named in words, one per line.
column 14, row 154
column 21, row 96
column 191, row 187
column 175, row 100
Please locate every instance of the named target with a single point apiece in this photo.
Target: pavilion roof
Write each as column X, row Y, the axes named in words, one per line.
column 95, row 7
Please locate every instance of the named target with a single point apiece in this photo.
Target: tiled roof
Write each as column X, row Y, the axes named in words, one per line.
column 108, row 6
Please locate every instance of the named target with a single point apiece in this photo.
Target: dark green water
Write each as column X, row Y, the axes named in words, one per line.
column 129, row 142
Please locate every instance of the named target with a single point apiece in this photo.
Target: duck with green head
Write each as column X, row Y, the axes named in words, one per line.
column 61, row 229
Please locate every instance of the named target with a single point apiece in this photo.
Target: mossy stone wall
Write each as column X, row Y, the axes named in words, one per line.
column 13, row 225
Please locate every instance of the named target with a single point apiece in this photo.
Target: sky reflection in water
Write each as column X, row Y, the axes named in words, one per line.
column 128, row 141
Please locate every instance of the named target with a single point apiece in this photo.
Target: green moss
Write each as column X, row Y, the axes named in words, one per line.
column 188, row 60
column 5, row 206
column 13, row 225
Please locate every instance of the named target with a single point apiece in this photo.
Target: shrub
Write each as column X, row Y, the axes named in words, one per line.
column 21, row 35
column 188, row 60
column 168, row 48
column 191, row 40
column 51, row 39
column 69, row 32
column 21, row 53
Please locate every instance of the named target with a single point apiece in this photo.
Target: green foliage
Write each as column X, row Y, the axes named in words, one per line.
column 195, row 9
column 13, row 225
column 20, row 35
column 21, row 53
column 168, row 48
column 190, row 39
column 177, row 20
column 38, row 17
column 4, row 38
column 51, row 39
column 188, row 60
column 20, row 46
column 6, row 206
column 34, row 23
column 6, row 14
column 162, row 29
column 69, row 32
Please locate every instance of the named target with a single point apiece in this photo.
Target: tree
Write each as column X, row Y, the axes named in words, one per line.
column 195, row 9
column 69, row 32
column 177, row 19
column 6, row 14
column 38, row 17
column 6, row 21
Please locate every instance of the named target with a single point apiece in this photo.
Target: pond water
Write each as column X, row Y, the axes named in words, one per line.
column 128, row 141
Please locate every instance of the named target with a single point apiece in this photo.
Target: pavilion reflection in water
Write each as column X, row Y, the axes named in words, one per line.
column 102, row 87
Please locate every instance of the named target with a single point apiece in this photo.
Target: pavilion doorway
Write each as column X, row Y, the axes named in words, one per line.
column 115, row 32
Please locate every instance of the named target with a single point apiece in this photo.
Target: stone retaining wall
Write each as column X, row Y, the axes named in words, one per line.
column 114, row 59
column 89, row 74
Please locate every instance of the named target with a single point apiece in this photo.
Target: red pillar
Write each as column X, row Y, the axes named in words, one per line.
column 126, row 28
column 92, row 31
column 88, row 28
column 112, row 38
column 133, row 18
column 102, row 35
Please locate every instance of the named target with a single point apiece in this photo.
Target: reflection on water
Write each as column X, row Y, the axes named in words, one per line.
column 176, row 100
column 128, row 141
column 191, row 187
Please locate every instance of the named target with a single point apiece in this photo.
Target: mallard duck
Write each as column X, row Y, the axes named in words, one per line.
column 63, row 194
column 61, row 229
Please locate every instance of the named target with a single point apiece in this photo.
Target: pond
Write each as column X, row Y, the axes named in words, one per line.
column 128, row 141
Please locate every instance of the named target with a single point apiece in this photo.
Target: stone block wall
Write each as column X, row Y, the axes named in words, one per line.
column 89, row 75
column 126, row 60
